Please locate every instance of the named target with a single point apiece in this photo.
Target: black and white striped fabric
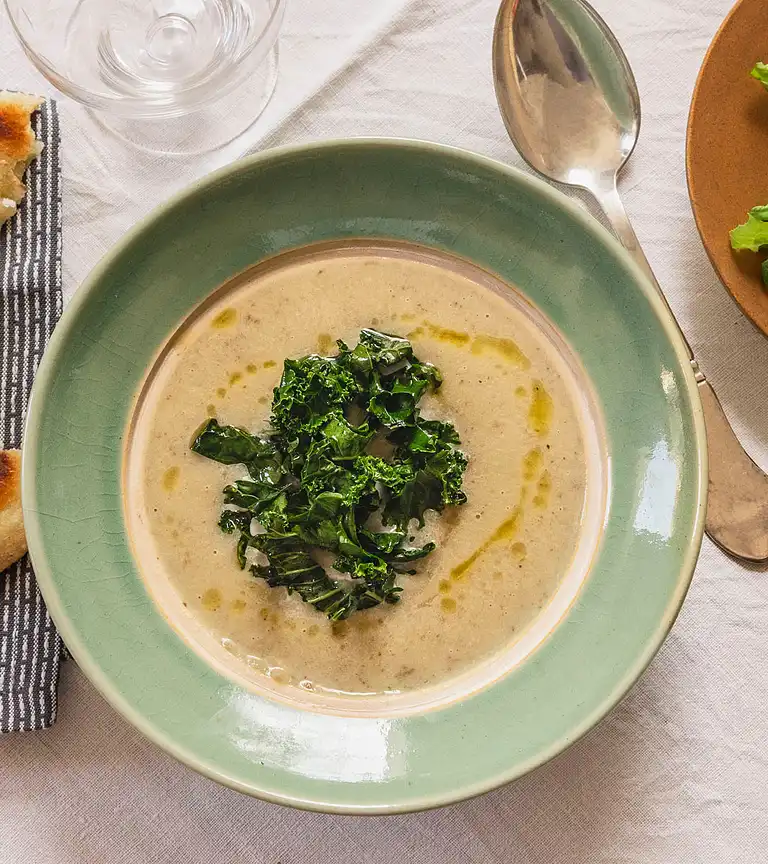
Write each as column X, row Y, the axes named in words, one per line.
column 30, row 305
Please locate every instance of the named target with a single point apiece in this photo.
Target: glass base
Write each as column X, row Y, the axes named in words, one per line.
column 205, row 129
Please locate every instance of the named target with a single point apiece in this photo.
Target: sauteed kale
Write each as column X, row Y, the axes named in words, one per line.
column 347, row 465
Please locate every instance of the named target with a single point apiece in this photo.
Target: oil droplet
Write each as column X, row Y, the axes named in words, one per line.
column 225, row 318
column 544, row 487
column 212, row 599
column 171, row 479
column 238, row 605
column 508, row 349
column 508, row 527
column 521, row 392
column 264, row 613
column 415, row 333
column 313, row 630
column 211, row 410
column 518, row 551
column 221, row 392
column 262, row 400
column 458, row 572
column 497, row 575
column 505, row 531
column 532, row 463
column 448, row 604
column 251, row 368
column 444, row 586
column 444, row 334
column 234, row 378
column 541, row 410
column 408, row 316
column 269, row 364
column 325, row 343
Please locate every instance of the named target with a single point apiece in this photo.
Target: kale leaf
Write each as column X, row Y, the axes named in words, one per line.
column 760, row 72
column 753, row 235
column 346, row 444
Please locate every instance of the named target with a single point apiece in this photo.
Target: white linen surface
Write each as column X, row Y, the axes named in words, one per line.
column 679, row 772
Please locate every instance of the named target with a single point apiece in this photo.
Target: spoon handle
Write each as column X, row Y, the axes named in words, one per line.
column 737, row 510
column 613, row 207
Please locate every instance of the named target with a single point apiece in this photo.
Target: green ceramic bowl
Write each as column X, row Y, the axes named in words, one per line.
column 508, row 223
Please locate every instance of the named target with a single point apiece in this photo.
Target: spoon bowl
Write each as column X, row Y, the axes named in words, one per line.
column 544, row 82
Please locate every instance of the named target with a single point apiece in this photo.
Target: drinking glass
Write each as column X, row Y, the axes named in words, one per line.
column 173, row 76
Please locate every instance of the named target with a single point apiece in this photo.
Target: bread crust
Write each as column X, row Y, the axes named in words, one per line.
column 18, row 147
column 13, row 542
column 17, row 140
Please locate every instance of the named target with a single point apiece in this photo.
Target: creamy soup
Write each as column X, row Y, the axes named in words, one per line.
column 514, row 398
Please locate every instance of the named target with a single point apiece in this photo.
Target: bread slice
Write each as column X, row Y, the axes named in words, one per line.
column 18, row 147
column 13, row 542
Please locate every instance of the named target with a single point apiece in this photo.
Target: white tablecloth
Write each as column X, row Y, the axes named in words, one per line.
column 679, row 772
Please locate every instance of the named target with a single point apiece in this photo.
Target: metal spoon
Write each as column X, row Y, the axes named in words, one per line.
column 571, row 106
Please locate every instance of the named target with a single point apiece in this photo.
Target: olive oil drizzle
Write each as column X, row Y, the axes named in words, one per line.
column 540, row 417
column 506, row 348
column 225, row 318
column 506, row 531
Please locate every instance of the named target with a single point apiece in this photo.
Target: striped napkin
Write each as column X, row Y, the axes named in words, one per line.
column 30, row 306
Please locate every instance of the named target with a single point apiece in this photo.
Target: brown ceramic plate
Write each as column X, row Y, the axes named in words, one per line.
column 726, row 150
